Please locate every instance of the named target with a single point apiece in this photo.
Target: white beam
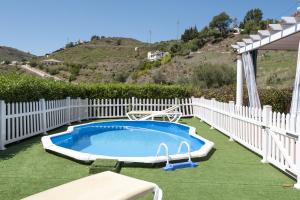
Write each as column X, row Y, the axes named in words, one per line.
column 290, row 20
column 255, row 37
column 276, row 27
column 248, row 41
column 235, row 46
column 239, row 81
column 241, row 44
column 264, row 33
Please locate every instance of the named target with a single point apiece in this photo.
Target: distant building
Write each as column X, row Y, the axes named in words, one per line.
column 237, row 31
column 155, row 55
column 79, row 42
column 51, row 62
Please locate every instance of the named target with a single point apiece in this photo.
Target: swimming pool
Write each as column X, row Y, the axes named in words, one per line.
column 129, row 141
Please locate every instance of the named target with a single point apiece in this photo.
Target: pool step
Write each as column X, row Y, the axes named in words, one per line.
column 174, row 166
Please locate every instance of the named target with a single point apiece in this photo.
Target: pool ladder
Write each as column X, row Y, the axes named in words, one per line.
column 178, row 152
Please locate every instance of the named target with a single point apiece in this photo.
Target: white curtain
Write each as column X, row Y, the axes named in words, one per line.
column 295, row 105
column 250, row 80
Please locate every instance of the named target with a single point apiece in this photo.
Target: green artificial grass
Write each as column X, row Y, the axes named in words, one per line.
column 229, row 172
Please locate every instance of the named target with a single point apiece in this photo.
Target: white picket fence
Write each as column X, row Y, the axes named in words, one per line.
column 117, row 108
column 274, row 136
column 26, row 119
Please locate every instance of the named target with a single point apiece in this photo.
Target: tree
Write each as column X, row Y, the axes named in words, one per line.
column 189, row 34
column 221, row 22
column 95, row 37
column 69, row 45
column 119, row 42
column 251, row 27
column 175, row 48
column 255, row 15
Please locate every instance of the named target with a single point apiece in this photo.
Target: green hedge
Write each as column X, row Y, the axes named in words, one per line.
column 15, row 88
column 279, row 99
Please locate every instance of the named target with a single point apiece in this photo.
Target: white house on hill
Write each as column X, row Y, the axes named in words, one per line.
column 155, row 55
column 51, row 62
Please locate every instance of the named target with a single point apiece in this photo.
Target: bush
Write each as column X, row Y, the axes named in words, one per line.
column 52, row 71
column 33, row 63
column 166, row 59
column 12, row 87
column 279, row 99
column 212, row 76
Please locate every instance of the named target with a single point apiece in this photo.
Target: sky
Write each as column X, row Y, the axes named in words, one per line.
column 42, row 26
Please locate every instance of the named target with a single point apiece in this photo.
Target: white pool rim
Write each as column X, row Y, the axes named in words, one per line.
column 86, row 157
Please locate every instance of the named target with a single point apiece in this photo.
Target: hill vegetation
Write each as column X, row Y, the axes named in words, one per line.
column 10, row 54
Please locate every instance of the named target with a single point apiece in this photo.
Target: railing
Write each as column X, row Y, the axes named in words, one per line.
column 26, row 119
column 274, row 136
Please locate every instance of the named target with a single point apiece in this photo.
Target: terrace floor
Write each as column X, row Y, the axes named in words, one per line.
column 230, row 172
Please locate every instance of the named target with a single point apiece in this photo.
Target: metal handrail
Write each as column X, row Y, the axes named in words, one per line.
column 188, row 147
column 166, row 148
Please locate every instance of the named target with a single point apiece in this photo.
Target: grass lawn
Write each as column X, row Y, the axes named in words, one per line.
column 230, row 172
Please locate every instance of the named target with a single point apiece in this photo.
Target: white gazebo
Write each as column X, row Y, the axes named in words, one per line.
column 282, row 36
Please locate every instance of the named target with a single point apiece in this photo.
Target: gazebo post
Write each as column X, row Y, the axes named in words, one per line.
column 239, row 81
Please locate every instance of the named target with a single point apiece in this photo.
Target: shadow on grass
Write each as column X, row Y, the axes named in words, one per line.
column 16, row 147
column 19, row 146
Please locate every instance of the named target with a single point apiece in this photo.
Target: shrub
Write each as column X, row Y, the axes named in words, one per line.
column 166, row 59
column 33, row 63
column 212, row 76
column 175, row 48
column 52, row 71
column 12, row 87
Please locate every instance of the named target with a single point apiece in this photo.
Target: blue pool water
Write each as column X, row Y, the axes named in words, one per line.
column 127, row 138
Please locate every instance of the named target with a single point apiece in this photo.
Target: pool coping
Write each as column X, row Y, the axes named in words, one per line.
column 86, row 157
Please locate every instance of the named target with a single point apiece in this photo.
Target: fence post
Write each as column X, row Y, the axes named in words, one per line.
column 201, row 113
column 79, row 109
column 3, row 125
column 231, row 126
column 192, row 105
column 87, row 108
column 43, row 110
column 212, row 101
column 297, row 185
column 267, row 113
column 68, row 102
column 132, row 103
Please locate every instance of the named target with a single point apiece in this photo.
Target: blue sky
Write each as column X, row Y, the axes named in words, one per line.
column 41, row 26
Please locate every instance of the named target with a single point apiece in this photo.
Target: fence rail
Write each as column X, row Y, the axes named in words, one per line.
column 274, row 136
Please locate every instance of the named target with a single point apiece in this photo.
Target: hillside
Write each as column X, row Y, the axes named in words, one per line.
column 12, row 54
column 115, row 60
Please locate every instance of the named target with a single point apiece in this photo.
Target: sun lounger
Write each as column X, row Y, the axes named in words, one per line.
column 106, row 185
column 170, row 113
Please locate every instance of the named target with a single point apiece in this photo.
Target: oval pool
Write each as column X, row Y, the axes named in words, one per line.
column 131, row 141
